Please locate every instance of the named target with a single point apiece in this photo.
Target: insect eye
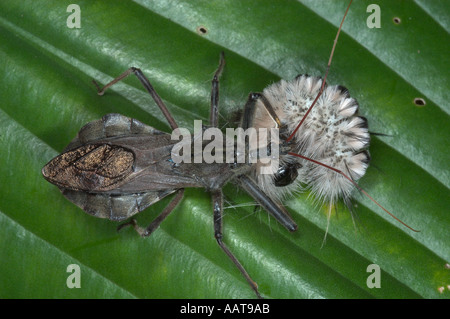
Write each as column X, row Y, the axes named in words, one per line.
column 286, row 174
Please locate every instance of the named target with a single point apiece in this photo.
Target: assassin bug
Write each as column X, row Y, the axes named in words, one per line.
column 118, row 166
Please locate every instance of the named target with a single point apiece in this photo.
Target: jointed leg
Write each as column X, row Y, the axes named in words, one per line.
column 214, row 113
column 146, row 83
column 145, row 232
column 217, row 199
column 277, row 211
column 249, row 110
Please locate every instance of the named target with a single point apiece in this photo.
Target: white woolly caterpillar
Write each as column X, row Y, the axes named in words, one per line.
column 332, row 134
column 322, row 138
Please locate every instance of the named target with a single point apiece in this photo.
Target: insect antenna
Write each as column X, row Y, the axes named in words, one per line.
column 355, row 184
column 309, row 110
column 379, row 134
column 324, row 78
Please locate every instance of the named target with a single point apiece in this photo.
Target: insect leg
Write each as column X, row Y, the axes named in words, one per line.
column 146, row 83
column 217, row 198
column 214, row 114
column 145, row 232
column 249, row 110
column 277, row 211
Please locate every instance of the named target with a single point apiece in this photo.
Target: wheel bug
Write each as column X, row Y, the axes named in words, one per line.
column 117, row 166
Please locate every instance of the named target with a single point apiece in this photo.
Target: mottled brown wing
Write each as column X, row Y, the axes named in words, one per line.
column 92, row 167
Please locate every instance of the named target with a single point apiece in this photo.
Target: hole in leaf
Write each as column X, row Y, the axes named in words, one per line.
column 419, row 101
column 202, row 30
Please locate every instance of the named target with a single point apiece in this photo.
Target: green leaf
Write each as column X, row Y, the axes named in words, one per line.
column 47, row 96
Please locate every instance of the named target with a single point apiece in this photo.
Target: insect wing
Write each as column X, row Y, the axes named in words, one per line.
column 111, row 125
column 90, row 168
column 92, row 161
column 114, row 207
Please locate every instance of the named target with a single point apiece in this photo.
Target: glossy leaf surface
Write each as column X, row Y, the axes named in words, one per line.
column 47, row 96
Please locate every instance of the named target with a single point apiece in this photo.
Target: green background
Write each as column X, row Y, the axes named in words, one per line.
column 47, row 96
